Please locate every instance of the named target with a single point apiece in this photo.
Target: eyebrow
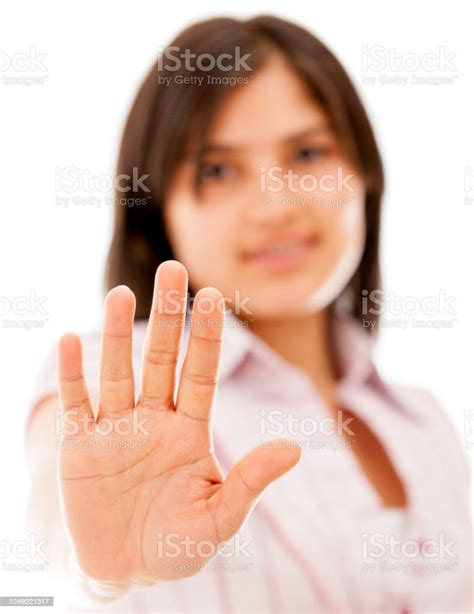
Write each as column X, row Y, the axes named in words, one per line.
column 320, row 129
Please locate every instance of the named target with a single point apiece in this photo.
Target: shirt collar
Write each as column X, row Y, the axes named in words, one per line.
column 353, row 348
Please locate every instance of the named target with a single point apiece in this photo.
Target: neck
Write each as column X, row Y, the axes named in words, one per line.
column 304, row 342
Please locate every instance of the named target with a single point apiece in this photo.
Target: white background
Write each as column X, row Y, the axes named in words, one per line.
column 97, row 54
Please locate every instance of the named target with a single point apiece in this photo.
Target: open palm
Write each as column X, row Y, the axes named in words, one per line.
column 141, row 489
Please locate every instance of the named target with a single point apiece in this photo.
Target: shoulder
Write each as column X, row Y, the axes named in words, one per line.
column 427, row 414
column 422, row 405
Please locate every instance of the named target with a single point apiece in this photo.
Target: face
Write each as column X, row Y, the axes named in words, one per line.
column 278, row 225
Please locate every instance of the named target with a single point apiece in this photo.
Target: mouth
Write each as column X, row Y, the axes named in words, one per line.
column 283, row 254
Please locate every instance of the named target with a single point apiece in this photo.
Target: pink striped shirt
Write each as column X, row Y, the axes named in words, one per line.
column 319, row 538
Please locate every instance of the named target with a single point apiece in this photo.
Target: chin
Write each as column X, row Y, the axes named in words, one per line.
column 282, row 306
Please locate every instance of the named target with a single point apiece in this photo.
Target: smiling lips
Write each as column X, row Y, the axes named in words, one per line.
column 283, row 254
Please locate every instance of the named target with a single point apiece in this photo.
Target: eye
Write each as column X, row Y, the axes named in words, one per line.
column 214, row 172
column 305, row 154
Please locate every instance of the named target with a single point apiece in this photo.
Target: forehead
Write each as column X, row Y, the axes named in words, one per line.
column 273, row 105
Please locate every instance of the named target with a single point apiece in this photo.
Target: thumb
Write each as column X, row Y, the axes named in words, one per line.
column 247, row 480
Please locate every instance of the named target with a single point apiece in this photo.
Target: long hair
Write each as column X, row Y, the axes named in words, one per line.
column 166, row 116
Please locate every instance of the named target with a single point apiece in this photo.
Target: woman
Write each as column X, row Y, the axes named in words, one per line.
column 260, row 184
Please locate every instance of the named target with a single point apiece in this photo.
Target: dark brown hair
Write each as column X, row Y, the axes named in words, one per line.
column 165, row 117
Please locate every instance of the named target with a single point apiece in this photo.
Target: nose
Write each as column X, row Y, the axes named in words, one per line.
column 272, row 206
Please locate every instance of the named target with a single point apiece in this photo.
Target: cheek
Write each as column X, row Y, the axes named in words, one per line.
column 342, row 218
column 202, row 238
column 350, row 222
column 344, row 232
